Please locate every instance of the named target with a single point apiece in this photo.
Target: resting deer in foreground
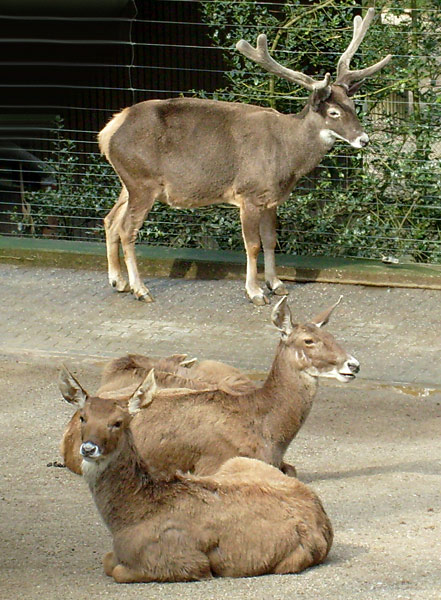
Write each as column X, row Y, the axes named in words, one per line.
column 198, row 430
column 247, row 519
column 189, row 152
column 122, row 377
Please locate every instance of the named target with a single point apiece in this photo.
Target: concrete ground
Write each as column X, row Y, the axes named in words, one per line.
column 371, row 449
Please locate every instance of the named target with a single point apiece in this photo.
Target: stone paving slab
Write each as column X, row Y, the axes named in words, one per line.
column 394, row 332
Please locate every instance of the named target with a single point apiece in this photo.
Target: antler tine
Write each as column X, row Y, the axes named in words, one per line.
column 261, row 56
column 344, row 75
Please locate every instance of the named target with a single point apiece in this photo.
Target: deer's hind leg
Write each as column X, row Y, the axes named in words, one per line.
column 297, row 561
column 311, row 548
column 250, row 219
column 111, row 224
column 133, row 213
column 268, row 236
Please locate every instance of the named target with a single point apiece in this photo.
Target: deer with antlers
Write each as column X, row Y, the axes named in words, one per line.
column 189, row 152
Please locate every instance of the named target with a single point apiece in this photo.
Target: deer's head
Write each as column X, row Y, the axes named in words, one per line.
column 332, row 102
column 312, row 349
column 103, row 421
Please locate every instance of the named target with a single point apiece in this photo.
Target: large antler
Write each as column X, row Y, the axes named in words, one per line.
column 261, row 56
column 344, row 75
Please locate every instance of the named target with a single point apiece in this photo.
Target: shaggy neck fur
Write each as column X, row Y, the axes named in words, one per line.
column 122, row 486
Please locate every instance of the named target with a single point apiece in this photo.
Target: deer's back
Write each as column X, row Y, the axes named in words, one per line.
column 199, row 152
column 195, row 432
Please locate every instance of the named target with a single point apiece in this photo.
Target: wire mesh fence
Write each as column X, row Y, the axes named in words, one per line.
column 65, row 71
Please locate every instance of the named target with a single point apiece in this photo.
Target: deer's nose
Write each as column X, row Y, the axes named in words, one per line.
column 353, row 365
column 364, row 140
column 89, row 450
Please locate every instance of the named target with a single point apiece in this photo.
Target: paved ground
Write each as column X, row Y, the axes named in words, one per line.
column 371, row 449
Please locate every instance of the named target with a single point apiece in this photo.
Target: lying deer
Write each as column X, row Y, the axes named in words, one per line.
column 127, row 372
column 247, row 519
column 189, row 152
column 121, row 378
column 198, row 430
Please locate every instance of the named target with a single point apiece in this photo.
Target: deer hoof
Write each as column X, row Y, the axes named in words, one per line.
column 142, row 294
column 145, row 298
column 120, row 285
column 259, row 300
column 109, row 563
column 279, row 289
column 288, row 469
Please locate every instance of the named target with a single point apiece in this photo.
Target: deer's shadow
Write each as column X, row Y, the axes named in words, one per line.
column 426, row 467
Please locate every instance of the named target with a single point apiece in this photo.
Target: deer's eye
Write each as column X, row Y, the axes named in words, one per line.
column 333, row 113
column 309, row 342
column 116, row 424
column 82, row 420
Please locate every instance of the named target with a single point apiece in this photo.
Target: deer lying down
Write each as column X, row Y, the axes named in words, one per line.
column 121, row 378
column 132, row 369
column 125, row 384
column 247, row 519
column 198, row 430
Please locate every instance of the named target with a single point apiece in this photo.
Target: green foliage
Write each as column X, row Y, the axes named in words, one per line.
column 210, row 228
column 85, row 189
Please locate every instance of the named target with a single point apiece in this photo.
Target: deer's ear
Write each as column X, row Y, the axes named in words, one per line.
column 322, row 318
column 281, row 317
column 318, row 96
column 144, row 394
column 70, row 388
column 354, row 87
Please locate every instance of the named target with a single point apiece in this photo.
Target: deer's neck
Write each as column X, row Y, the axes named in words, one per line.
column 307, row 134
column 122, row 487
column 286, row 397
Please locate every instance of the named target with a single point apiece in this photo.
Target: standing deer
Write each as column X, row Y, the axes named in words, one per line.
column 188, row 152
column 247, row 519
column 198, row 430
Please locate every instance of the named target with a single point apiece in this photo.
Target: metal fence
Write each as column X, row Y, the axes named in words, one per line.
column 66, row 70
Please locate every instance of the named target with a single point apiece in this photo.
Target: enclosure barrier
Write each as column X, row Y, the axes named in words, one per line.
column 69, row 66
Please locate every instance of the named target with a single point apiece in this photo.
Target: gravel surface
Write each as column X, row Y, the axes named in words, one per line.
column 371, row 449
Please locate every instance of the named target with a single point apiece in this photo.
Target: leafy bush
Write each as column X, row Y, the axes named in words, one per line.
column 85, row 189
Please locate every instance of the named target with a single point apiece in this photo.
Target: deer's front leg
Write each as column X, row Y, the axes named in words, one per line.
column 268, row 236
column 250, row 218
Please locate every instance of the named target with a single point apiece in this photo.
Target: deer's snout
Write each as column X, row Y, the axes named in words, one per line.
column 364, row 139
column 349, row 369
column 353, row 365
column 361, row 141
column 90, row 450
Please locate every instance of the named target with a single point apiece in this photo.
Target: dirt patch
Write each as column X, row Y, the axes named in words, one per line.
column 370, row 451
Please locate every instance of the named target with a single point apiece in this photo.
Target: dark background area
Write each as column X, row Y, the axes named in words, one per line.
column 81, row 62
column 83, row 65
